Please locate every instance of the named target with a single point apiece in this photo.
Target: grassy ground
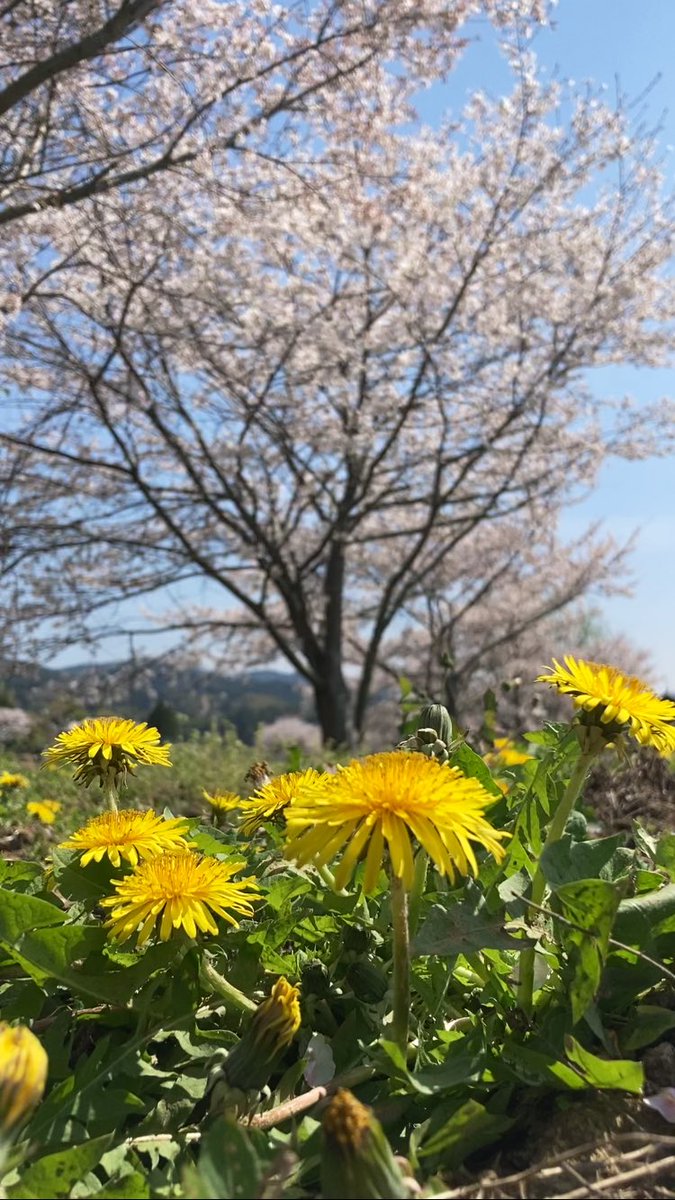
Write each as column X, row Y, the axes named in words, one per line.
column 206, row 762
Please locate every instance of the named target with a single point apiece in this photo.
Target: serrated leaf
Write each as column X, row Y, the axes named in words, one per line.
column 472, row 765
column 641, row 918
column 665, row 854
column 55, row 1174
column 550, row 735
column 17, row 873
column 461, row 1065
column 645, row 841
column 469, row 1128
column 536, row 1067
column 648, row 1024
column 462, row 928
column 228, row 1164
column 284, row 889
column 591, row 906
column 608, row 1073
column 50, row 953
column 19, row 912
column 133, row 1186
column 567, row 861
column 208, row 841
column 76, row 882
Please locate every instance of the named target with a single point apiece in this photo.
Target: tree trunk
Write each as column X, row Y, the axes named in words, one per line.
column 333, row 705
column 333, row 701
column 450, row 695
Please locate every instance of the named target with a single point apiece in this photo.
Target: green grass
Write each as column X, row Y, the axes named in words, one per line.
column 207, row 761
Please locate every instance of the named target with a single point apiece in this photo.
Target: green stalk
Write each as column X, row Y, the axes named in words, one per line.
column 329, row 879
column 555, row 832
column 227, row 992
column 419, row 884
column 401, row 945
column 110, row 793
column 327, row 876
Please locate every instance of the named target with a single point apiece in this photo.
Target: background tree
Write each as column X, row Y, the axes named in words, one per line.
column 343, row 384
column 496, row 650
column 99, row 96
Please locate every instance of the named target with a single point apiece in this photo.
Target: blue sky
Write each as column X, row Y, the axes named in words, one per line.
column 633, row 40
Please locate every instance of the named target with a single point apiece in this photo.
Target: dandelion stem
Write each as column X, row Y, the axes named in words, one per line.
column 329, row 879
column 110, row 793
column 215, row 982
column 401, row 989
column 555, row 832
column 419, row 884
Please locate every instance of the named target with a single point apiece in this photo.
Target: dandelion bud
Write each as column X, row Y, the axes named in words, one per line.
column 315, row 980
column 427, row 742
column 357, row 1163
column 23, row 1074
column 273, row 1026
column 437, row 718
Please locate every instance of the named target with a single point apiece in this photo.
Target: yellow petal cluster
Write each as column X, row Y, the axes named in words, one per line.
column 273, row 798
column 128, row 835
column 222, row 801
column 45, row 810
column 12, row 779
column 385, row 799
column 506, row 754
column 273, row 1026
column 607, row 698
column 104, row 747
column 180, row 891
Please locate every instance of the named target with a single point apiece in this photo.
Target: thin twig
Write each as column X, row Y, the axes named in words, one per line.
column 147, row 1139
column 650, row 1142
column 290, row 1108
column 646, row 1171
column 590, row 1187
column 299, row 1104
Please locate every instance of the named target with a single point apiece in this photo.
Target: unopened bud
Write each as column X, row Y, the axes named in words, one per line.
column 437, row 717
column 358, row 1163
column 23, row 1074
column 273, row 1026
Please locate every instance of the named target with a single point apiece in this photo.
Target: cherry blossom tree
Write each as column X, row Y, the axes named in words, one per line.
column 340, row 373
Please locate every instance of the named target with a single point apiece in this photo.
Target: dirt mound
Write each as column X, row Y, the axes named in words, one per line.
column 643, row 791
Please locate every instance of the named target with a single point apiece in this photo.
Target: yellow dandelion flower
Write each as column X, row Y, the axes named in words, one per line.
column 506, row 754
column 386, row 798
column 615, row 702
column 10, row 779
column 107, row 747
column 44, row 810
column 180, row 890
column 222, row 801
column 278, row 1017
column 129, row 835
column 23, row 1074
column 273, row 798
column 273, row 1026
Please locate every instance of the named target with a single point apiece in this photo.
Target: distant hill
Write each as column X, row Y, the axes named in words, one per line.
column 202, row 699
